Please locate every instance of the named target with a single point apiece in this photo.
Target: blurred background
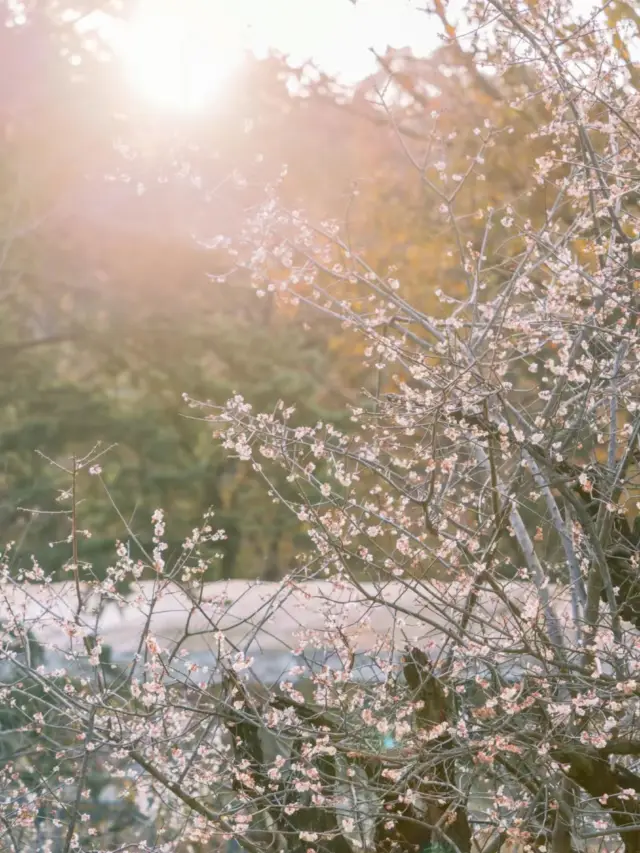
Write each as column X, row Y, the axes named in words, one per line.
column 136, row 139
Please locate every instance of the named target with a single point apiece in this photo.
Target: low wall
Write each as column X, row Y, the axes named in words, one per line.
column 274, row 618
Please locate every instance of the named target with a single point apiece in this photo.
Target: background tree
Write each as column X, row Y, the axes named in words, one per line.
column 111, row 310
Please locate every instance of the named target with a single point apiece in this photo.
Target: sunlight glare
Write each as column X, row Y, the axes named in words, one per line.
column 178, row 53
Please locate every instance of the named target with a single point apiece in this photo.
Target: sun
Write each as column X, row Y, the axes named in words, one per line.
column 179, row 53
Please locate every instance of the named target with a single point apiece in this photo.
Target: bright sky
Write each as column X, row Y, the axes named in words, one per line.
column 179, row 52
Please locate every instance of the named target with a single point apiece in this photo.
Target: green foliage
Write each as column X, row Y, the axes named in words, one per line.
column 162, row 454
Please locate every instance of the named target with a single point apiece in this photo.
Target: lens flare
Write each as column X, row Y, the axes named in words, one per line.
column 178, row 53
